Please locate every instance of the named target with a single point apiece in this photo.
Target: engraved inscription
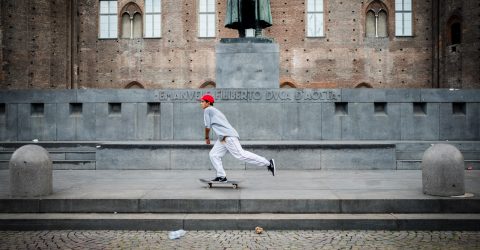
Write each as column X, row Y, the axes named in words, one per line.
column 252, row 95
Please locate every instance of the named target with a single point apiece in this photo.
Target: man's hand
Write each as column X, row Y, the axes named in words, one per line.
column 207, row 141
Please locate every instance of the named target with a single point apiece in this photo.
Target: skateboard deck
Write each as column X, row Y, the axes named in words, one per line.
column 233, row 183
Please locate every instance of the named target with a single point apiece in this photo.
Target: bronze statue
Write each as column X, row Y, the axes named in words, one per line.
column 248, row 14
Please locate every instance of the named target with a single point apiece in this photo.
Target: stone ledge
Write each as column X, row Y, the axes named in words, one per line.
column 241, row 206
column 247, row 40
column 315, row 154
column 147, row 221
column 252, row 144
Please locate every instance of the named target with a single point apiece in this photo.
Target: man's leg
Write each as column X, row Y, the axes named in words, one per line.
column 216, row 154
column 233, row 146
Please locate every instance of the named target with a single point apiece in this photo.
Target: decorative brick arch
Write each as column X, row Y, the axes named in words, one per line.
column 209, row 84
column 363, row 85
column 131, row 9
column 134, row 85
column 376, row 6
column 287, row 85
column 287, row 82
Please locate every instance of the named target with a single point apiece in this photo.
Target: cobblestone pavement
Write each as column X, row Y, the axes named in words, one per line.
column 240, row 240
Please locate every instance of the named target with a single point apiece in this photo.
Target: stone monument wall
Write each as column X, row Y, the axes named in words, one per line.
column 266, row 114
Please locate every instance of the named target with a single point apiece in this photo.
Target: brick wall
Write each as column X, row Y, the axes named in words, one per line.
column 54, row 44
column 459, row 63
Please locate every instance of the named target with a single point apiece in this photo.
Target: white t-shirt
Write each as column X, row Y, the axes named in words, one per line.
column 216, row 120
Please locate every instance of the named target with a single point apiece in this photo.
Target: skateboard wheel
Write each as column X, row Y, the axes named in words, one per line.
column 235, row 186
column 209, row 185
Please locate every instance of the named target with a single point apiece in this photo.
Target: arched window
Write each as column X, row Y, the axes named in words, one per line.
column 126, row 27
column 137, row 25
column 456, row 33
column 131, row 21
column 376, row 23
column 382, row 24
column 454, row 29
column 370, row 25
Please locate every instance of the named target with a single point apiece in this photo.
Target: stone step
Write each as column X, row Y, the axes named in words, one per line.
column 268, row 221
column 290, row 192
column 240, row 206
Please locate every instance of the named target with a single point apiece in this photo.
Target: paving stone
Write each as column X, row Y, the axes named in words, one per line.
column 232, row 239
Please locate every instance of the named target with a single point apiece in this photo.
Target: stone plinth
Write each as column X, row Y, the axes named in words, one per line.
column 30, row 172
column 443, row 171
column 247, row 63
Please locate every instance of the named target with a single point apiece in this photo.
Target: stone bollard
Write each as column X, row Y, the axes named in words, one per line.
column 30, row 172
column 443, row 171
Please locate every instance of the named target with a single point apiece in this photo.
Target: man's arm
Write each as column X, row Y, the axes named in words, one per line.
column 206, row 119
column 207, row 135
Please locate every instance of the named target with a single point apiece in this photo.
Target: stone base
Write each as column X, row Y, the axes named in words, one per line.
column 247, row 63
column 247, row 40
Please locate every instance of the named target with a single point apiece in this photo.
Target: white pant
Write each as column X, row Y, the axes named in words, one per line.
column 232, row 145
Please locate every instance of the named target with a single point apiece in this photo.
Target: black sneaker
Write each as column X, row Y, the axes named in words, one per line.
column 220, row 179
column 271, row 168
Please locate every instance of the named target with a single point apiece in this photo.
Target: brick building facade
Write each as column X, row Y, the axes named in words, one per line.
column 52, row 44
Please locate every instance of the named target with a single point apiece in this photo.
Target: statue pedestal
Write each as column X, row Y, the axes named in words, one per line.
column 247, row 63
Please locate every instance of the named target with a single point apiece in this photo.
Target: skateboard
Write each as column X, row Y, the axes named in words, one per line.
column 210, row 183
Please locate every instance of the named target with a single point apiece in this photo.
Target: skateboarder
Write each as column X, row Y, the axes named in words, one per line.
column 227, row 141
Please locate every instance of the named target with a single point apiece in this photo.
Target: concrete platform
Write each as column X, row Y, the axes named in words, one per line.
column 298, row 193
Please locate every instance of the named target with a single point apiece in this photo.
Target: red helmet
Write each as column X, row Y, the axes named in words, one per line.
column 208, row 98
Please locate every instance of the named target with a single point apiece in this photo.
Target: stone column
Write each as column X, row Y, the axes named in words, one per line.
column 30, row 172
